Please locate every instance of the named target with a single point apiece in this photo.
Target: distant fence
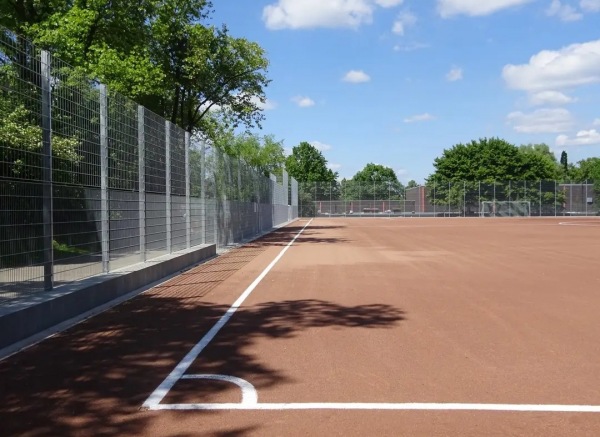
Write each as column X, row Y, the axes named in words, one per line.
column 91, row 182
column 450, row 199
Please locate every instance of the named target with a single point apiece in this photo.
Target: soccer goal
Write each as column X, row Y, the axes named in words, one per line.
column 508, row 208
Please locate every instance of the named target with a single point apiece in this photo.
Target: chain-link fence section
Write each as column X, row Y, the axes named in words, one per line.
column 91, row 182
column 449, row 199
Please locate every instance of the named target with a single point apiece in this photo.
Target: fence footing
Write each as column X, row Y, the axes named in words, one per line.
column 25, row 318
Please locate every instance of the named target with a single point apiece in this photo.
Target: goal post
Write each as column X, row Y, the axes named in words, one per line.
column 507, row 208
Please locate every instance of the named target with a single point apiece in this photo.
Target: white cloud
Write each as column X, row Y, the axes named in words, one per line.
column 303, row 102
column 333, row 167
column 448, row 8
column 563, row 11
column 574, row 65
column 550, row 98
column 389, row 3
column 356, row 76
column 454, row 74
column 541, row 121
column 322, row 147
column 582, row 138
column 419, row 117
column 405, row 19
column 590, row 5
column 410, row 47
column 266, row 105
column 305, row 14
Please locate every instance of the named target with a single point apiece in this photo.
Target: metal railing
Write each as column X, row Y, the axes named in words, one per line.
column 450, row 199
column 91, row 182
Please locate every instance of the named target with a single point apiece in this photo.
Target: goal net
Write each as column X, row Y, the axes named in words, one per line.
column 512, row 208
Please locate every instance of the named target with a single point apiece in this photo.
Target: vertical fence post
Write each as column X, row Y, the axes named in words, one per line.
column 142, row 181
column 188, row 208
column 540, row 197
column 203, row 211
column 449, row 203
column 509, row 198
column 47, row 208
column 104, row 223
column 434, row 199
column 479, row 205
column 168, row 182
column 586, row 197
column 464, row 198
column 555, row 198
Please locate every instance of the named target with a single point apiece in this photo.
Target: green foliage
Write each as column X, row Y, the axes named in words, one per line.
column 412, row 184
column 307, row 164
column 564, row 162
column 373, row 182
column 156, row 52
column 263, row 153
column 491, row 159
column 493, row 162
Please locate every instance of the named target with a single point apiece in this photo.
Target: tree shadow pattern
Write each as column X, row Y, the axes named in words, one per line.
column 93, row 378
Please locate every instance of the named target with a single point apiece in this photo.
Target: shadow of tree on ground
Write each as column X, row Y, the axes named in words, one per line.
column 93, row 378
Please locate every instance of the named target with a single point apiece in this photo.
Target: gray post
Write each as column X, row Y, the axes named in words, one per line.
column 203, row 189
column 479, row 201
column 104, row 224
column 464, row 198
column 586, row 197
column 47, row 209
column 509, row 198
column 142, row 181
column 555, row 198
column 168, row 181
column 188, row 208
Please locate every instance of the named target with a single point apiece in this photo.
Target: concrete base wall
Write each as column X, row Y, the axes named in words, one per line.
column 26, row 318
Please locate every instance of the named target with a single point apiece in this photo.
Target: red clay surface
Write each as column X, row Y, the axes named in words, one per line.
column 357, row 310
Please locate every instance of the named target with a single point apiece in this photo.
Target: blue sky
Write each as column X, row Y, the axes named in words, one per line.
column 395, row 82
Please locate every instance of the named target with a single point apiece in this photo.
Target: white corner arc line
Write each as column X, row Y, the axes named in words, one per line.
column 161, row 391
column 526, row 408
column 249, row 395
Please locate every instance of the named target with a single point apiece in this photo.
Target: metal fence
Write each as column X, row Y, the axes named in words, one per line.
column 449, row 199
column 91, row 182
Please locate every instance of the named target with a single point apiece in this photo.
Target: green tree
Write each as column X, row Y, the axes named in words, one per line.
column 316, row 181
column 374, row 182
column 261, row 152
column 587, row 170
column 496, row 164
column 307, row 164
column 157, row 52
column 412, row 184
column 564, row 162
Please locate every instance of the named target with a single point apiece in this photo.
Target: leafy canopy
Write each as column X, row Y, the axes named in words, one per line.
column 307, row 164
column 492, row 159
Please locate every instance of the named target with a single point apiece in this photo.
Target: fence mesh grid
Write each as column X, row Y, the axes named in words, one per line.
column 450, row 199
column 91, row 182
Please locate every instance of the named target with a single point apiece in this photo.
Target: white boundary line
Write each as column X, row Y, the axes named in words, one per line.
column 161, row 391
column 528, row 408
column 249, row 395
column 587, row 224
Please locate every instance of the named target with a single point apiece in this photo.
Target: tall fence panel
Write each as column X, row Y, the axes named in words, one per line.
column 449, row 199
column 91, row 182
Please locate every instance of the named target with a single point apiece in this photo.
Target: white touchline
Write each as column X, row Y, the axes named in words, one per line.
column 161, row 391
column 527, row 408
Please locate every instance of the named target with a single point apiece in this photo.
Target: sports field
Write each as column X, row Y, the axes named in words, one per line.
column 344, row 327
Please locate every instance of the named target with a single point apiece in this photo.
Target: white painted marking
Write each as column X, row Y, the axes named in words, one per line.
column 161, row 391
column 528, row 408
column 249, row 395
column 589, row 224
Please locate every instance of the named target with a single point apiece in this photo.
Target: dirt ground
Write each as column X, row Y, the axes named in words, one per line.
column 380, row 312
